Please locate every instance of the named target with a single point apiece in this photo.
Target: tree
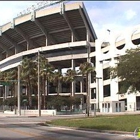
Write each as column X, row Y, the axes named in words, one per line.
column 69, row 78
column 11, row 102
column 45, row 73
column 11, row 77
column 29, row 76
column 86, row 68
column 56, row 78
column 128, row 70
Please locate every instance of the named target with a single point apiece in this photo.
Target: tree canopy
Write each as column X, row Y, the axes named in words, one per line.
column 128, row 70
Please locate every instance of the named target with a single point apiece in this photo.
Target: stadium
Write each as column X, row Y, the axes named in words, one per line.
column 66, row 37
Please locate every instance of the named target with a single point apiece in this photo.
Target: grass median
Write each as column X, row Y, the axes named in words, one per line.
column 119, row 123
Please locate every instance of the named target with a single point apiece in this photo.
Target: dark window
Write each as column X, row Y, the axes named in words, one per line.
column 93, row 93
column 106, row 74
column 106, row 90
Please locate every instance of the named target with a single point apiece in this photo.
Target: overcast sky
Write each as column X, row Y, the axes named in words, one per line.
column 112, row 15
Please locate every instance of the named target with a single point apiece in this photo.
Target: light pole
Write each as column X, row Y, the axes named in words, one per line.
column 97, row 78
column 19, row 110
column 39, row 106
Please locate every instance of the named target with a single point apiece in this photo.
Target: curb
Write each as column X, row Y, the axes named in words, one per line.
column 124, row 133
column 107, row 131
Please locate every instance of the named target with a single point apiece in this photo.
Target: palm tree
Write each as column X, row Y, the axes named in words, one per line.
column 11, row 78
column 70, row 77
column 45, row 72
column 28, row 76
column 56, row 78
column 86, row 68
column 2, row 78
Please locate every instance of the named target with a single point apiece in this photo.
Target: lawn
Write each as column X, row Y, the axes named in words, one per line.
column 120, row 123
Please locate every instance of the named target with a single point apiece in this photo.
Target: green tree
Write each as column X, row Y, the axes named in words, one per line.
column 86, row 68
column 11, row 77
column 11, row 102
column 70, row 77
column 56, row 78
column 128, row 70
column 29, row 76
column 46, row 71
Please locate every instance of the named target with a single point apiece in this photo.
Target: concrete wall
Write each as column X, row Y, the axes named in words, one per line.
column 33, row 112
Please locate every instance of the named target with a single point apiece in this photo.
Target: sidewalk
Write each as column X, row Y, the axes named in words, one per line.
column 72, row 115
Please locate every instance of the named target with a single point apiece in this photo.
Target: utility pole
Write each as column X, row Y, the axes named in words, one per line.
column 39, row 105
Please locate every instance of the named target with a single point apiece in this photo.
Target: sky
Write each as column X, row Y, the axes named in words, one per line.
column 113, row 15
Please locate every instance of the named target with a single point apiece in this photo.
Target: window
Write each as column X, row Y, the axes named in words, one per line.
column 93, row 93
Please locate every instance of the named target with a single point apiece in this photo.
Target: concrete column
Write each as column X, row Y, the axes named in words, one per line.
column 47, row 42
column 72, row 37
column 16, row 50
column 73, row 83
column 6, row 91
column 59, row 83
column 26, row 92
column 88, row 36
column 81, row 86
column 99, row 72
column 46, row 87
column 28, row 46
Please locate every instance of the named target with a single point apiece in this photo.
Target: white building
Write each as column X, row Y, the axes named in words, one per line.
column 107, row 53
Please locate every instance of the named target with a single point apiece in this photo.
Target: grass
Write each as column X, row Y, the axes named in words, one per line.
column 120, row 123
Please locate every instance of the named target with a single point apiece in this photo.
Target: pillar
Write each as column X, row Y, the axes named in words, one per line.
column 73, row 82
column 59, row 83
column 72, row 37
column 81, row 86
column 6, row 91
column 99, row 73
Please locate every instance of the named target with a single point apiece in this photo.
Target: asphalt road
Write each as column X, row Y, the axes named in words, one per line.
column 27, row 128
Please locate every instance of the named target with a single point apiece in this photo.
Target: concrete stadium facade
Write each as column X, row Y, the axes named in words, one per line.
column 67, row 38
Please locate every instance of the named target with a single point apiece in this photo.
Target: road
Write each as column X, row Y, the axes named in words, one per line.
column 27, row 128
